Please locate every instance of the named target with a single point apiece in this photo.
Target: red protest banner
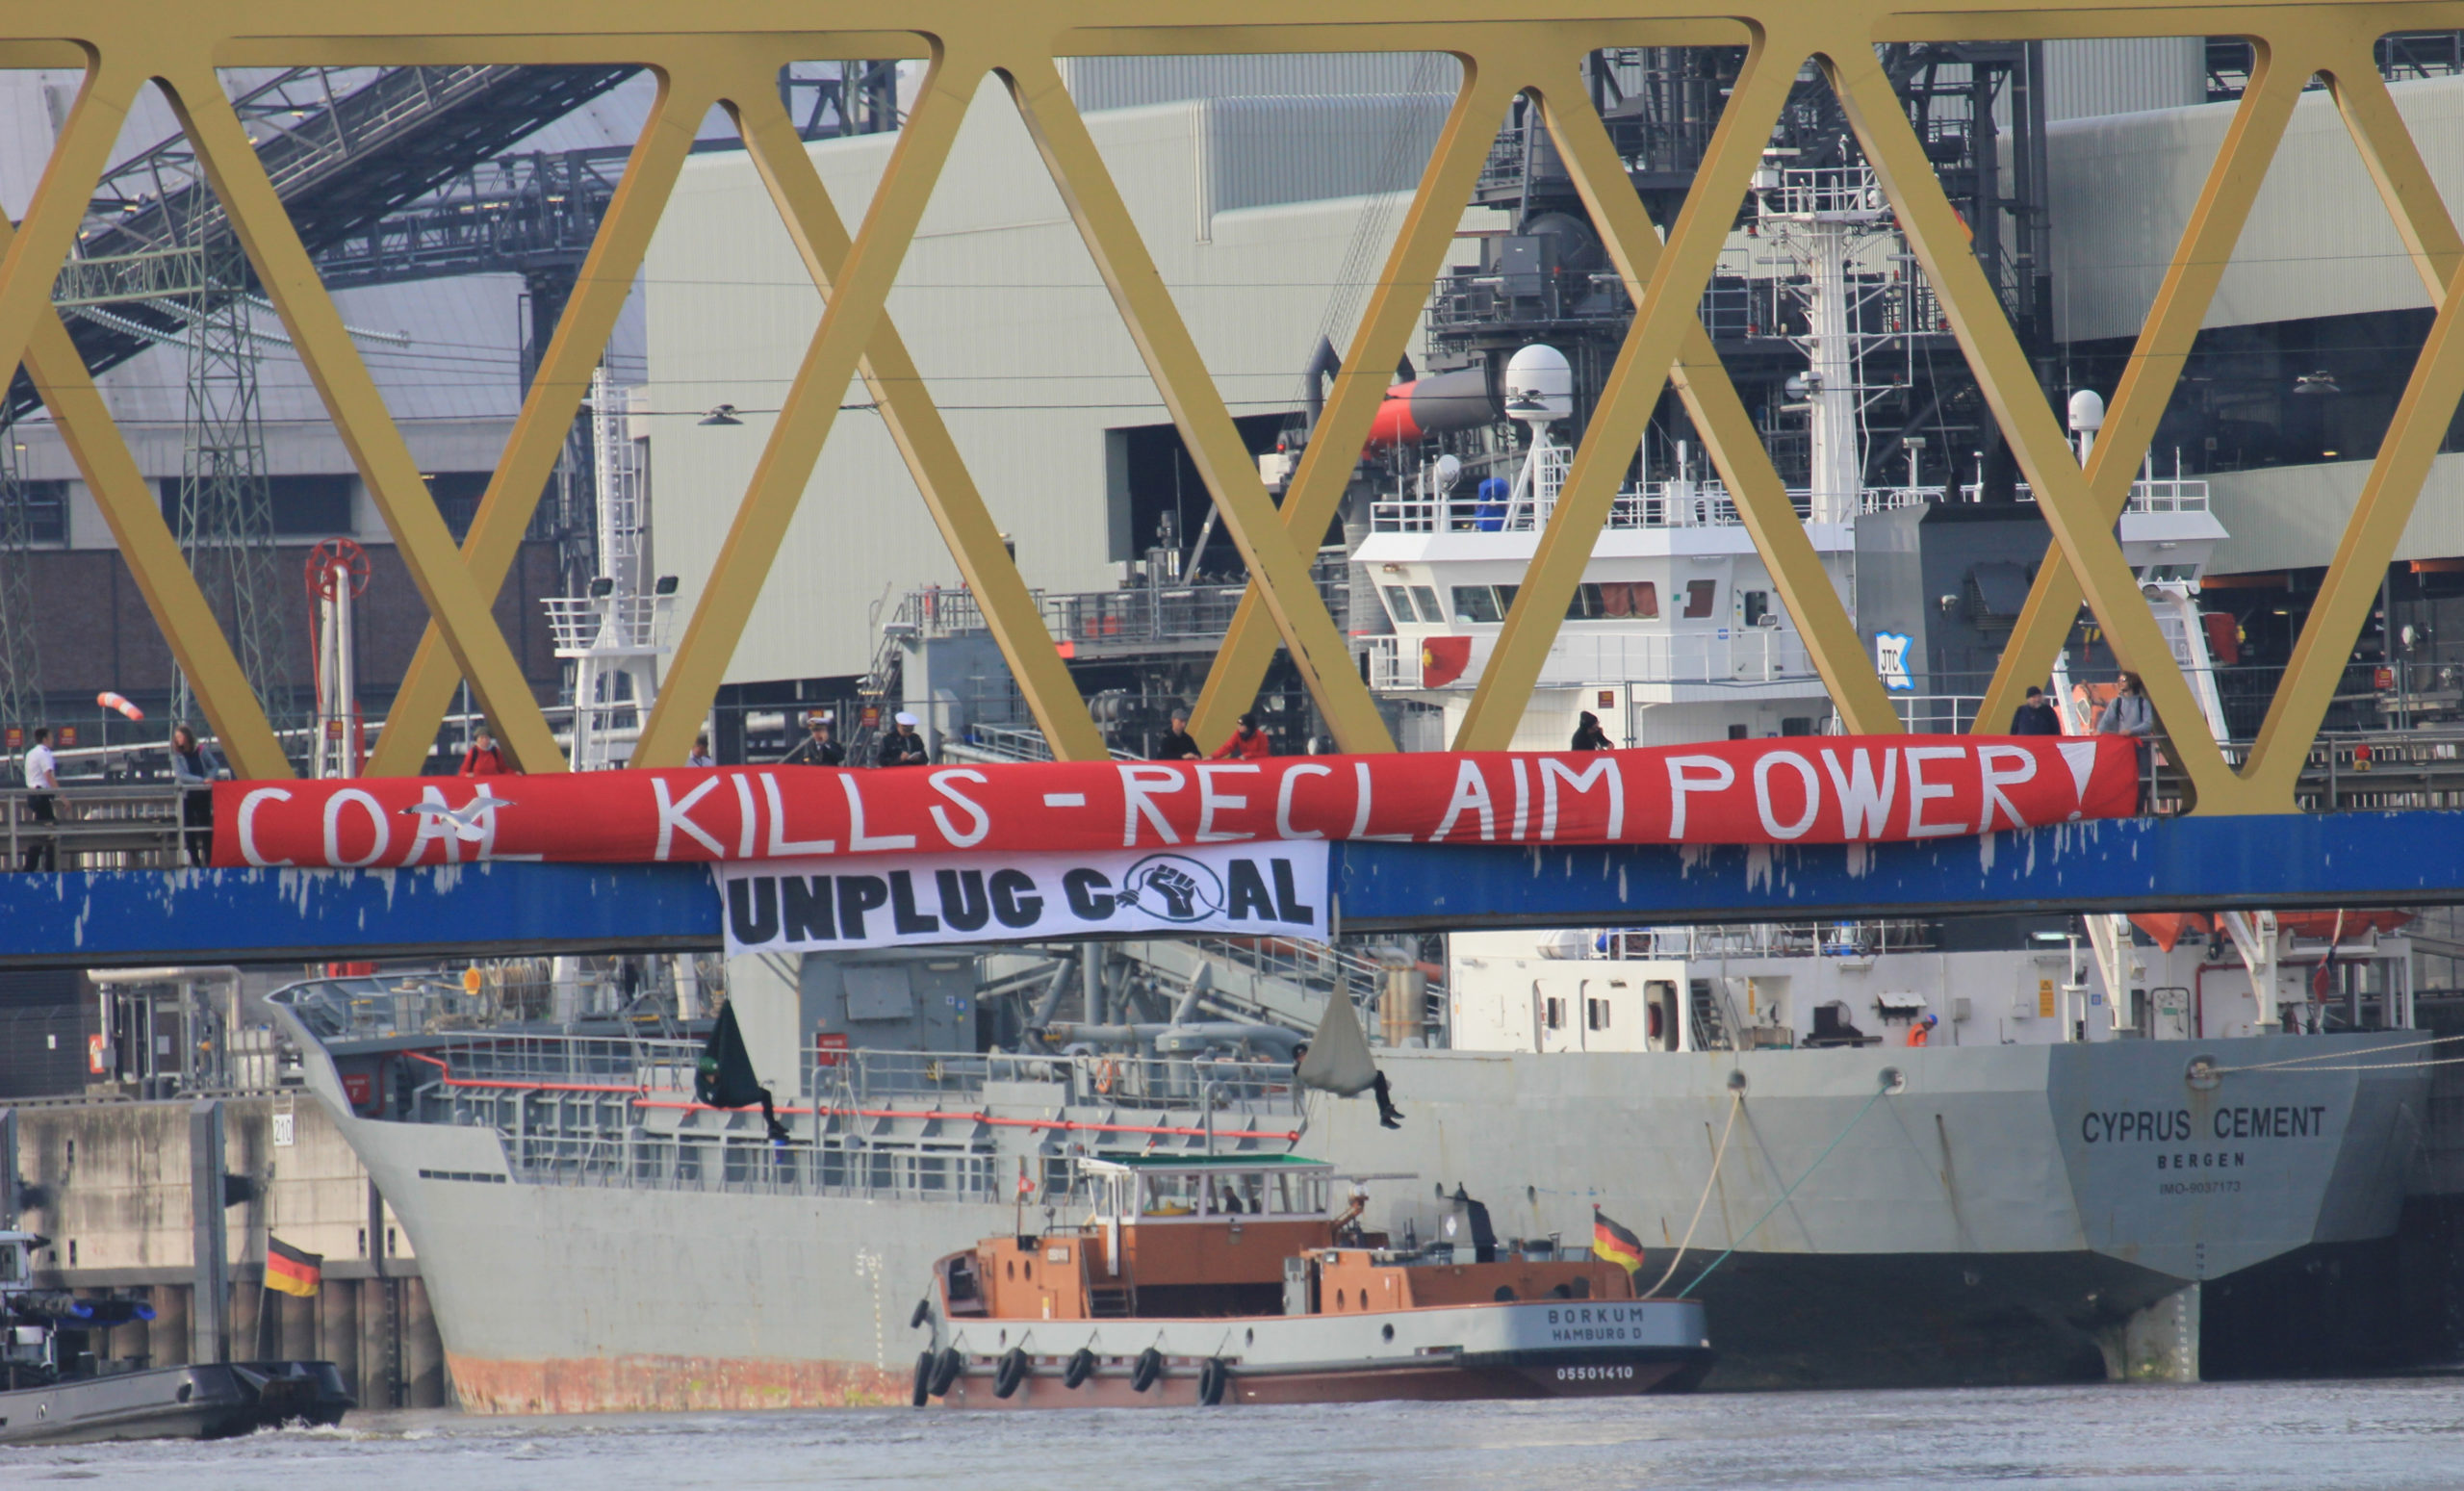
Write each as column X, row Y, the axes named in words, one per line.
column 1841, row 789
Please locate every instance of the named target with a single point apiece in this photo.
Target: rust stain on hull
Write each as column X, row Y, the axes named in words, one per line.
column 654, row 1384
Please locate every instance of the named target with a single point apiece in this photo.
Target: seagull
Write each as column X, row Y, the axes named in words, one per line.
column 465, row 819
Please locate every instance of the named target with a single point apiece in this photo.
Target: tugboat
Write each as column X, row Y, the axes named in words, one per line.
column 1231, row 1279
column 53, row 1393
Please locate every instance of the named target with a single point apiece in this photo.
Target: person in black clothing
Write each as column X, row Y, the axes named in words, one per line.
column 817, row 749
column 2036, row 717
column 1588, row 736
column 194, row 769
column 903, row 746
column 1178, row 744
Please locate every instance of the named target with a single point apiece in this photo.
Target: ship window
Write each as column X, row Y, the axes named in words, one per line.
column 9, row 1263
column 1596, row 1014
column 1430, row 610
column 1587, row 603
column 1505, row 597
column 1699, row 596
column 1475, row 604
column 1629, row 598
column 1171, row 1196
column 1552, row 1011
column 1755, row 608
column 1400, row 601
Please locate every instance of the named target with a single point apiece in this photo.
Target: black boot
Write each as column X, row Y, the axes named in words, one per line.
column 1388, row 1113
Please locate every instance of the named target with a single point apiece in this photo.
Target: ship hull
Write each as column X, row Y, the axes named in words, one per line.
column 1995, row 1215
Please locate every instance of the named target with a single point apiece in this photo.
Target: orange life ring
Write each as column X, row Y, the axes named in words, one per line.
column 1107, row 1071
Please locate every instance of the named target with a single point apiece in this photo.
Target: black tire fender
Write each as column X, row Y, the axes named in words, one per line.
column 1151, row 1366
column 1082, row 1366
column 1011, row 1371
column 946, row 1368
column 923, row 1313
column 1211, row 1380
column 923, row 1379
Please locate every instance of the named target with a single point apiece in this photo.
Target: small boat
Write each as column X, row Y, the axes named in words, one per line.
column 1232, row 1279
column 46, row 1398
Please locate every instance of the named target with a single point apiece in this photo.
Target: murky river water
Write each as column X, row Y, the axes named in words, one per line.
column 2333, row 1434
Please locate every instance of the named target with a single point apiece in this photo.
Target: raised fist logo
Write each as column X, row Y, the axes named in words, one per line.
column 1172, row 889
column 1180, row 892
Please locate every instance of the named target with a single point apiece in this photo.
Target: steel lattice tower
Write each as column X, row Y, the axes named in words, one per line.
column 225, row 523
column 20, row 655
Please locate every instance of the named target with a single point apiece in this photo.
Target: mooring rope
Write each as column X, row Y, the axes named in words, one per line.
column 2310, row 1061
column 1775, row 1206
column 1736, row 1101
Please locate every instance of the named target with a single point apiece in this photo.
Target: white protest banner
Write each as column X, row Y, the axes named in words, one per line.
column 1267, row 888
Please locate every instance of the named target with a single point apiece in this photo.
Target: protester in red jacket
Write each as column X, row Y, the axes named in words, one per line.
column 485, row 757
column 1249, row 743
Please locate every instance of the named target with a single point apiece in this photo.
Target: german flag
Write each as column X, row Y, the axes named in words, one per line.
column 1612, row 1242
column 291, row 1270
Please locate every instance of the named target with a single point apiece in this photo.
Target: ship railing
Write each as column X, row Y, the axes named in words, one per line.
column 921, row 1085
column 561, row 1063
column 1745, row 655
column 1937, row 714
column 2147, row 495
column 744, row 1161
column 1654, row 504
column 1124, row 616
column 1771, row 940
column 581, row 625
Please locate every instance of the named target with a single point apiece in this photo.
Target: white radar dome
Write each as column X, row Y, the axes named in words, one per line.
column 1539, row 386
column 2087, row 410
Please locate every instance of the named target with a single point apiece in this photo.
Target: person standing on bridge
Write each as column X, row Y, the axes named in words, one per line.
column 699, row 755
column 193, row 768
column 1249, row 743
column 485, row 757
column 2036, row 717
column 42, row 779
column 2131, row 716
column 903, row 746
column 1178, row 744
column 1588, row 736
column 817, row 749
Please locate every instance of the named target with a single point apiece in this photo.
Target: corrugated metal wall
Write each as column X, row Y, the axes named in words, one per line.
column 2319, row 242
column 1128, row 81
column 1263, row 152
column 2108, row 76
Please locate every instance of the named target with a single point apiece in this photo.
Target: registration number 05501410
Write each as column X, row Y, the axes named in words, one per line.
column 1592, row 1373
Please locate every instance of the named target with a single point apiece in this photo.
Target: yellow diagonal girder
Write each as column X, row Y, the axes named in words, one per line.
column 2079, row 523
column 557, row 385
column 360, row 417
column 1213, row 442
column 805, row 415
column 1727, row 428
column 61, row 201
column 2164, row 340
column 2395, row 163
column 923, row 440
column 1663, row 311
column 1377, row 343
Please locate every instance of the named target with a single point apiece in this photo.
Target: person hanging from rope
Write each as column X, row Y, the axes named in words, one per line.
column 722, row 1077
